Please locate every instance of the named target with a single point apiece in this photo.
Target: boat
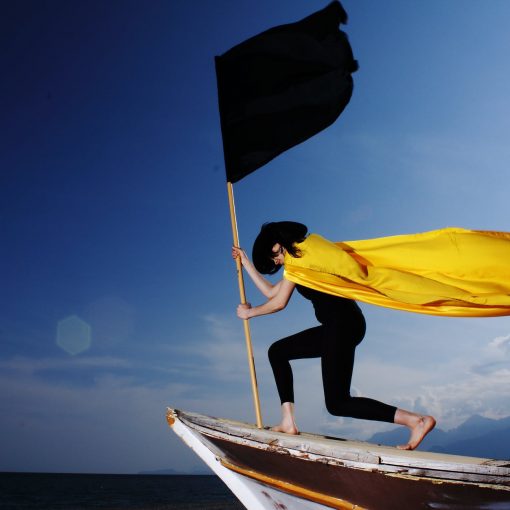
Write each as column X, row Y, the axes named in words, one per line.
column 269, row 470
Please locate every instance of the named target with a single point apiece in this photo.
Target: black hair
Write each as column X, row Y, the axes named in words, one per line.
column 285, row 233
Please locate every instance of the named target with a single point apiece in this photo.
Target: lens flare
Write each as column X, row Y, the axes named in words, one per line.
column 73, row 335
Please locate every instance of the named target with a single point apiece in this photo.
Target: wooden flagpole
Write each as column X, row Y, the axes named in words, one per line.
column 242, row 294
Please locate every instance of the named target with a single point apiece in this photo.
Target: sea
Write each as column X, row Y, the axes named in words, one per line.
column 43, row 491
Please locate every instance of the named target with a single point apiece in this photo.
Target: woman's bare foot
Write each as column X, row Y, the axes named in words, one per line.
column 288, row 424
column 423, row 425
column 288, row 429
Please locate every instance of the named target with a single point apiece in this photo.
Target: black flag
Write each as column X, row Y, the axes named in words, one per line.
column 281, row 87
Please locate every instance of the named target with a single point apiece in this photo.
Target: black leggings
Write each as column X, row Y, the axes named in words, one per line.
column 335, row 343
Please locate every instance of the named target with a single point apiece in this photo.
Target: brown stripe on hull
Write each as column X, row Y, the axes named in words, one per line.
column 363, row 487
column 290, row 488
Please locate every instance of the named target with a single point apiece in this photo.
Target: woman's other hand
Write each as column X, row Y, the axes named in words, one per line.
column 243, row 311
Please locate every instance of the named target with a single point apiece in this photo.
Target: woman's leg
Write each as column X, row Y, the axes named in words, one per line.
column 339, row 345
column 305, row 344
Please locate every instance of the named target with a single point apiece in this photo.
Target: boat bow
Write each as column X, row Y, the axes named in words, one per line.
column 308, row 471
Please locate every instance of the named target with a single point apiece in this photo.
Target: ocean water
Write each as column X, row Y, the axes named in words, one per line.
column 41, row 491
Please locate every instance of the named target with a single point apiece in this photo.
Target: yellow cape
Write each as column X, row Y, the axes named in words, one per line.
column 452, row 272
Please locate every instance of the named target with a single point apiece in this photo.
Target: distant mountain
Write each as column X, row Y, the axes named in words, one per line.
column 160, row 472
column 477, row 437
column 197, row 470
column 202, row 470
column 495, row 445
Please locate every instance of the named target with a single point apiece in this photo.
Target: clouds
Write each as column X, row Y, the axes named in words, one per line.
column 496, row 357
column 224, row 350
column 108, row 426
column 109, row 416
column 477, row 382
column 453, row 403
column 112, row 421
column 106, row 414
column 32, row 366
column 482, row 389
column 218, row 350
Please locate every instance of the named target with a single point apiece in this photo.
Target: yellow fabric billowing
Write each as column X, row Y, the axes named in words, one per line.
column 453, row 271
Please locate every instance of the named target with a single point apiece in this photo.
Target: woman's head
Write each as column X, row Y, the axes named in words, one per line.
column 282, row 233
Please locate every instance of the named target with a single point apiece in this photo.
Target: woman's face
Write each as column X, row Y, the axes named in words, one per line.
column 278, row 252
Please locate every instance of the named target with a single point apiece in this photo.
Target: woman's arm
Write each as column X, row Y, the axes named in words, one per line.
column 273, row 304
column 265, row 286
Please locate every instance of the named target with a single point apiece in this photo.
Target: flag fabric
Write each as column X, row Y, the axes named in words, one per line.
column 452, row 272
column 281, row 87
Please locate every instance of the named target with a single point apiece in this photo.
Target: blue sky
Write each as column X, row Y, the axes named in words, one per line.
column 114, row 223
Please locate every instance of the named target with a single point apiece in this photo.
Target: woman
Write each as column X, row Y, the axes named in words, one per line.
column 342, row 327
